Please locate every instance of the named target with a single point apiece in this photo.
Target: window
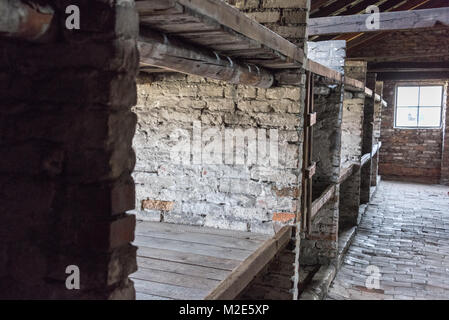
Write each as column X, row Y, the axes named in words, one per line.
column 418, row 106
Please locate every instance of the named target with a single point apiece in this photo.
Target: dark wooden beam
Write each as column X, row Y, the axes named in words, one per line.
column 158, row 50
column 398, row 57
column 413, row 76
column 388, row 21
column 409, row 67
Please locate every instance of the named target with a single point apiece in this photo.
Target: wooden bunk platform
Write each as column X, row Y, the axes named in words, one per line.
column 180, row 262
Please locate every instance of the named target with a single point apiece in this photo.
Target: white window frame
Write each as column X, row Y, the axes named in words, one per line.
column 417, row 127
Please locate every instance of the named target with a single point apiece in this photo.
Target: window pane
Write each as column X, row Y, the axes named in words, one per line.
column 429, row 117
column 431, row 96
column 408, row 96
column 407, row 117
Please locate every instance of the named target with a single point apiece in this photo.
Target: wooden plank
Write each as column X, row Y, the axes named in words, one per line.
column 181, row 268
column 210, row 239
column 169, row 291
column 188, row 258
column 388, row 21
column 324, row 71
column 368, row 92
column 233, row 285
column 154, row 5
column 190, row 247
column 232, row 18
column 322, row 200
column 160, row 51
column 365, row 159
column 354, row 85
column 176, row 279
column 144, row 296
column 171, row 227
column 345, row 173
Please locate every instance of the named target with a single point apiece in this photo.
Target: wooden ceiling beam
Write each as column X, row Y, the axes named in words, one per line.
column 388, row 21
column 389, row 6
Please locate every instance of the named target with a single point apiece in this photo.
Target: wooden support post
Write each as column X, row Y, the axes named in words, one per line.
column 156, row 49
column 309, row 167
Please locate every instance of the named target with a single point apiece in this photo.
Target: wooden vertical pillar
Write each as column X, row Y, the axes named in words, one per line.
column 368, row 139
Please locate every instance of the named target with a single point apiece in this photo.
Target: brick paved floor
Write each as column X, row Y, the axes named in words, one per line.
column 405, row 234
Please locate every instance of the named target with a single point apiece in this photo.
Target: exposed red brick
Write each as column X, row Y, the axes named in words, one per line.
column 157, row 205
column 284, row 217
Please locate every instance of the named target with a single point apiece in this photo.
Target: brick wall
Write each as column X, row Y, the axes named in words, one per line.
column 216, row 192
column 351, row 128
column 285, row 17
column 411, row 155
column 66, row 131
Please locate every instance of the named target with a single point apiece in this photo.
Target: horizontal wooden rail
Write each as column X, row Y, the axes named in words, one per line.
column 351, row 84
column 324, row 198
column 242, row 276
column 365, row 159
column 376, row 148
column 348, row 172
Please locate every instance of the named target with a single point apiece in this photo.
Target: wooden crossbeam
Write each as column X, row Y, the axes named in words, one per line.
column 158, row 50
column 388, row 21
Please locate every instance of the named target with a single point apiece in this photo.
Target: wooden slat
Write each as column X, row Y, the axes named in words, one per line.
column 368, row 92
column 154, row 5
column 209, row 239
column 347, row 172
column 233, row 285
column 188, row 258
column 181, row 268
column 365, row 158
column 354, row 85
column 324, row 71
column 168, row 290
column 144, row 296
column 189, row 247
column 170, row 227
column 322, row 200
column 232, row 18
column 388, row 21
column 176, row 279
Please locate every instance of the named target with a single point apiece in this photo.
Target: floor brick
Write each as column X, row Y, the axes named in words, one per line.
column 405, row 234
